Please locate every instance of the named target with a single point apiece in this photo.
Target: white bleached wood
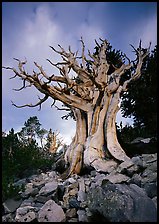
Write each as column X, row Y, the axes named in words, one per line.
column 93, row 95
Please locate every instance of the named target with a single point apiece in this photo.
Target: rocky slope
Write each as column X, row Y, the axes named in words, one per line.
column 128, row 193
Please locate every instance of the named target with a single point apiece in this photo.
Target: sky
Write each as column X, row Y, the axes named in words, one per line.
column 29, row 28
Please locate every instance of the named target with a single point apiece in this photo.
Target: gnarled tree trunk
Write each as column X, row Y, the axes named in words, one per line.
column 93, row 96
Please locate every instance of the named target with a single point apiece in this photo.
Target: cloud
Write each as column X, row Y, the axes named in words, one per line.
column 146, row 30
column 149, row 32
column 30, row 32
column 32, row 41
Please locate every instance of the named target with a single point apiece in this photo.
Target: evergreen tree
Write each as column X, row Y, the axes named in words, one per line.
column 30, row 130
column 140, row 101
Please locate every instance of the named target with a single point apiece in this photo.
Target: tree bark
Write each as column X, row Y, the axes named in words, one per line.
column 93, row 96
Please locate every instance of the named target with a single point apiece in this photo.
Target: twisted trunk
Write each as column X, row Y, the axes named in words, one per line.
column 92, row 95
column 74, row 154
column 95, row 136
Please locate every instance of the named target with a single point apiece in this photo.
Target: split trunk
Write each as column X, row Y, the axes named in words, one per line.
column 96, row 138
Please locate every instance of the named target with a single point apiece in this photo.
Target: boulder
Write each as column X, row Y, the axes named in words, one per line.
column 127, row 193
column 51, row 212
column 82, row 217
column 10, row 205
column 25, row 214
column 8, row 218
column 122, row 203
column 117, row 178
column 49, row 188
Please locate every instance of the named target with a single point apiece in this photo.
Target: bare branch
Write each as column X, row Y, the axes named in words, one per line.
column 7, row 67
column 140, row 44
column 41, row 70
column 141, row 54
column 125, row 56
column 56, row 64
column 83, row 55
column 55, row 50
column 97, row 43
column 20, row 62
column 134, row 48
column 10, row 68
column 66, row 109
column 21, row 87
column 59, row 85
column 33, row 105
column 54, row 101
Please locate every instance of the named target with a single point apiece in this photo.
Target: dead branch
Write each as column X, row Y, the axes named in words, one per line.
column 24, row 86
column 32, row 105
column 141, row 54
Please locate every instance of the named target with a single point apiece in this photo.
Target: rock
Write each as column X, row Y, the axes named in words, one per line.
column 25, row 214
column 38, row 205
column 150, row 168
column 52, row 174
column 127, row 193
column 21, row 182
column 99, row 178
column 128, row 167
column 137, row 140
column 155, row 201
column 82, row 217
column 73, row 220
column 60, row 192
column 74, row 203
column 28, row 202
column 83, row 204
column 51, row 212
column 60, row 165
column 81, row 196
column 73, row 192
column 131, row 170
column 150, row 177
column 137, row 160
column 81, row 193
column 124, row 165
column 105, row 166
column 121, row 203
column 29, row 190
column 146, row 140
column 93, row 173
column 149, row 158
column 73, row 185
column 138, row 189
column 30, row 216
column 10, row 205
column 140, row 139
column 136, row 179
column 70, row 213
column 117, row 178
column 151, row 189
column 39, row 183
column 82, row 185
column 49, row 188
column 71, row 180
column 8, row 218
column 42, row 199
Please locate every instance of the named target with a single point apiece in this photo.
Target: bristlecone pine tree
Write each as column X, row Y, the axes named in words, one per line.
column 93, row 96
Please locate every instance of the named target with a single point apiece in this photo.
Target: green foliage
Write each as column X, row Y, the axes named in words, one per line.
column 9, row 190
column 128, row 133
column 30, row 130
column 22, row 158
column 141, row 99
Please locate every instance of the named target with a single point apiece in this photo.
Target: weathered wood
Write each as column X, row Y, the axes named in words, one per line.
column 92, row 95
